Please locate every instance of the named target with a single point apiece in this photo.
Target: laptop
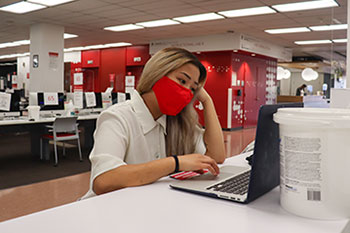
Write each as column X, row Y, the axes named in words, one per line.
column 245, row 184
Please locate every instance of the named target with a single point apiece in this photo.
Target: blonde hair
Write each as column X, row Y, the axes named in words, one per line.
column 180, row 138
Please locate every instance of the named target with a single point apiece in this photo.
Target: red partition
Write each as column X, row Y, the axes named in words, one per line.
column 112, row 62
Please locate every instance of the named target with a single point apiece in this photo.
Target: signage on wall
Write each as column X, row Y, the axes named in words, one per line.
column 90, row 62
column 53, row 60
column 137, row 59
column 35, row 61
column 222, row 42
column 129, row 83
column 78, row 78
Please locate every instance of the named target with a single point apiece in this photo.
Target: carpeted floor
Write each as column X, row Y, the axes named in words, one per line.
column 19, row 167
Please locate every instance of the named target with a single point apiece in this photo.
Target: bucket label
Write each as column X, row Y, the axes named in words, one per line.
column 301, row 167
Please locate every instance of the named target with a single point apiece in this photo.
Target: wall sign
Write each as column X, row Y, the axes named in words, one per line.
column 78, row 78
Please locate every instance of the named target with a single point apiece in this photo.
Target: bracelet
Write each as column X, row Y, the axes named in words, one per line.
column 176, row 163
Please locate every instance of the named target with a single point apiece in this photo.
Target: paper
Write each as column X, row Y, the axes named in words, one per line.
column 90, row 99
column 121, row 97
column 129, row 81
column 50, row 98
column 5, row 101
column 129, row 89
column 78, row 99
column 109, row 89
column 78, row 78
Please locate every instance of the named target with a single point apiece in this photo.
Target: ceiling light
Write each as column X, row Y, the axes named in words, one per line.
column 50, row 2
column 119, row 44
column 308, row 74
column 120, row 28
column 22, row 7
column 329, row 27
column 22, row 42
column 304, row 42
column 158, row 23
column 68, row 36
column 340, row 40
column 287, row 30
column 7, row 44
column 199, row 17
column 248, row 11
column 299, row 6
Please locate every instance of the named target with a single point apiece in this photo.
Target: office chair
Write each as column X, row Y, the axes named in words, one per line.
column 63, row 129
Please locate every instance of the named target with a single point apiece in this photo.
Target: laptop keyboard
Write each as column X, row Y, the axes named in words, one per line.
column 234, row 185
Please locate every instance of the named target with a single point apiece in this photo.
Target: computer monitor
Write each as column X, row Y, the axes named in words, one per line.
column 33, row 99
column 98, row 97
column 43, row 107
column 115, row 97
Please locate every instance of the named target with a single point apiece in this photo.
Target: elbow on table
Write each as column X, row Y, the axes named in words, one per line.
column 99, row 187
column 221, row 160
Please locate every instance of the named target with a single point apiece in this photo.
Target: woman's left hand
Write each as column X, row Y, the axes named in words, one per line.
column 203, row 95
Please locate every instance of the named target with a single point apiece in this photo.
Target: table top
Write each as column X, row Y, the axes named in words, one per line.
column 25, row 120
column 158, row 208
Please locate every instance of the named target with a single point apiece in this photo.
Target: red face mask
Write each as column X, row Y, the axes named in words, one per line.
column 171, row 96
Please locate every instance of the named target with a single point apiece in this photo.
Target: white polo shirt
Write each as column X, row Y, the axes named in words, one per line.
column 126, row 133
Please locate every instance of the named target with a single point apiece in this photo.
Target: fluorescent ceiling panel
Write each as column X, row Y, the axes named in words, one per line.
column 21, row 42
column 340, row 40
column 248, row 11
column 287, row 30
column 199, row 17
column 119, row 44
column 329, row 27
column 68, row 36
column 120, row 28
column 309, row 5
column 306, row 42
column 22, row 7
column 50, row 2
column 158, row 23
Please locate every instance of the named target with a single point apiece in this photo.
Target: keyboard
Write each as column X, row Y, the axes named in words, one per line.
column 235, row 185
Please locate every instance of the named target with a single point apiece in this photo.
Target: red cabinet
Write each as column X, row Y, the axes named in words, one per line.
column 137, row 55
column 90, row 59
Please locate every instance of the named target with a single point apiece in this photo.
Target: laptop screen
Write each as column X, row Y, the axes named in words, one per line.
column 265, row 172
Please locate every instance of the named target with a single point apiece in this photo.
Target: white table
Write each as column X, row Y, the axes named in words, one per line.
column 158, row 208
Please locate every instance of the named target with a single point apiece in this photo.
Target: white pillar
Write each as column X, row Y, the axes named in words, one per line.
column 348, row 50
column 46, row 46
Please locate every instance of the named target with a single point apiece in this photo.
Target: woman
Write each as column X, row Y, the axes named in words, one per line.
column 156, row 133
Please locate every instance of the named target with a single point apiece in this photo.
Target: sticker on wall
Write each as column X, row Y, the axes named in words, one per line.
column 78, row 99
column 35, row 61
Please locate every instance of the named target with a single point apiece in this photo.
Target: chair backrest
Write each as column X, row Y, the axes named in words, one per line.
column 65, row 124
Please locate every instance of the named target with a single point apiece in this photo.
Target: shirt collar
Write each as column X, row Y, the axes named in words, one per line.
column 144, row 116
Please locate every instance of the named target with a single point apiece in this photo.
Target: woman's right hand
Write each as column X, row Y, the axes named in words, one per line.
column 198, row 162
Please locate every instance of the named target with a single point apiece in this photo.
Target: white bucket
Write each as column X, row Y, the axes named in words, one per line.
column 315, row 161
column 33, row 112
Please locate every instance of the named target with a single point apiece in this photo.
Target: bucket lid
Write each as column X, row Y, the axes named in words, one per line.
column 328, row 117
